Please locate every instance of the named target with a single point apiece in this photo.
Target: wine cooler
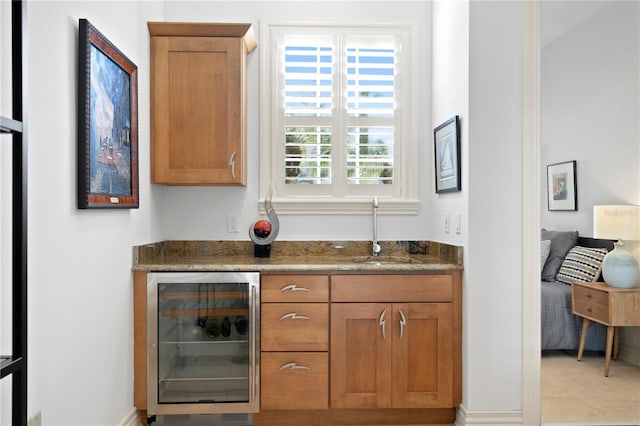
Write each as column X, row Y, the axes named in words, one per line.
column 203, row 342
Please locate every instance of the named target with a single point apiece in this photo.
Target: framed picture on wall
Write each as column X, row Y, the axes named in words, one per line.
column 107, row 123
column 446, row 139
column 562, row 186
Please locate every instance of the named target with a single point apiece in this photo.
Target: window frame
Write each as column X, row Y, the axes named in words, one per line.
column 404, row 200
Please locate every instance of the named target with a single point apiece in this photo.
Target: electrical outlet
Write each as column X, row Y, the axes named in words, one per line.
column 35, row 420
column 232, row 223
column 458, row 223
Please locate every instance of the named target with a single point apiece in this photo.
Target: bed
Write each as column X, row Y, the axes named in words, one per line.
column 560, row 329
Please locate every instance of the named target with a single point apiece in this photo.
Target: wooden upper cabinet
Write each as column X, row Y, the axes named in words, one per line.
column 198, row 102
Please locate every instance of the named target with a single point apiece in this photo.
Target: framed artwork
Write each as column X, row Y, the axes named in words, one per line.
column 107, row 123
column 562, row 186
column 446, row 139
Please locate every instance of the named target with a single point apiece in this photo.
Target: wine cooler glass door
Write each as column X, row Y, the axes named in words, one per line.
column 204, row 343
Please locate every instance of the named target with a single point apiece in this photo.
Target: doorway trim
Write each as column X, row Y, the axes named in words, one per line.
column 530, row 215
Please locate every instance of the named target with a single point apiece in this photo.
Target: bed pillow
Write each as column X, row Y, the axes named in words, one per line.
column 581, row 264
column 561, row 243
column 545, row 248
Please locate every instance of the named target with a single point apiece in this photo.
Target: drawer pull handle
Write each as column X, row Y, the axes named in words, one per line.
column 381, row 323
column 293, row 287
column 293, row 366
column 403, row 322
column 293, row 315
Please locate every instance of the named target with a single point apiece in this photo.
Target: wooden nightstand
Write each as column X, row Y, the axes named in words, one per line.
column 610, row 306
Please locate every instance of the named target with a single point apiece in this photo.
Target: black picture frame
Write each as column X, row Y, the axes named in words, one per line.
column 107, row 123
column 562, row 186
column 446, row 141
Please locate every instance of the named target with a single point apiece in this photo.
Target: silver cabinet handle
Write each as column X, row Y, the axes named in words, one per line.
column 381, row 323
column 293, row 366
column 293, row 315
column 403, row 322
column 232, row 164
column 293, row 287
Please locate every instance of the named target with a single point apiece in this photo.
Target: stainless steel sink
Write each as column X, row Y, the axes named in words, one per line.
column 384, row 260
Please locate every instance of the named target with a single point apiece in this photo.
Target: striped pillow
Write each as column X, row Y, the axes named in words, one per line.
column 581, row 264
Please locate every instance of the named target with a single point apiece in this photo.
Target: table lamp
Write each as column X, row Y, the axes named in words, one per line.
column 619, row 267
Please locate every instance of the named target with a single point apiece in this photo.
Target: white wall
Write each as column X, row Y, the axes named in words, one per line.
column 590, row 112
column 477, row 74
column 80, row 282
column 493, row 310
column 590, row 109
column 197, row 212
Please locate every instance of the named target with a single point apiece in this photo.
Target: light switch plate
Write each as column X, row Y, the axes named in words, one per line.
column 232, row 223
column 447, row 222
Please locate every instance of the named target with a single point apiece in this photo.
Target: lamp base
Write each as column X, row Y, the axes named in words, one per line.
column 620, row 268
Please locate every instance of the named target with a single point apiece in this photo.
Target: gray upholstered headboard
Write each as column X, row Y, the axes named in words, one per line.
column 596, row 243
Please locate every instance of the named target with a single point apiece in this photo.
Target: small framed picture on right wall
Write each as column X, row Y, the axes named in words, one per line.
column 446, row 140
column 562, row 187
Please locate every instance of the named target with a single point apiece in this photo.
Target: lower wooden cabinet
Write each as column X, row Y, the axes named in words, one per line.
column 382, row 348
column 391, row 355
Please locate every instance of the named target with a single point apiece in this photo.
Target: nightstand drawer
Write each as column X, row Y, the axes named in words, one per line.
column 592, row 310
column 589, row 295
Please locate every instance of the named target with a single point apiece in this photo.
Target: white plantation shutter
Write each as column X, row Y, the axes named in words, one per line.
column 334, row 110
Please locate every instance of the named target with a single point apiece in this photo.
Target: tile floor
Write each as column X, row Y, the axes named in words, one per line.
column 578, row 392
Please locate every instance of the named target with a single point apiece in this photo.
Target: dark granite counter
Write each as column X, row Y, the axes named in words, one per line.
column 296, row 256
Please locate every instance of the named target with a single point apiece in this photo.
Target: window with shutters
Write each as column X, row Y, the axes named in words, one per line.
column 336, row 117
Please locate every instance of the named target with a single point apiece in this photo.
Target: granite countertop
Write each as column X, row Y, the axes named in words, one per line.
column 296, row 256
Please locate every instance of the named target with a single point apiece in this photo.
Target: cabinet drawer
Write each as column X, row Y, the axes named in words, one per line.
column 294, row 326
column 295, row 288
column 590, row 295
column 592, row 310
column 391, row 288
column 294, row 380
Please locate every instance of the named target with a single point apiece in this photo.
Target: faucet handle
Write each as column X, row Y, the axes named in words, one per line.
column 376, row 248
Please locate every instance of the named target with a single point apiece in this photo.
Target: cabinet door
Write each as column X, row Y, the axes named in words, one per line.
column 361, row 355
column 422, row 355
column 198, row 110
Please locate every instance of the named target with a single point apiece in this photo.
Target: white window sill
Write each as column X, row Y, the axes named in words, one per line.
column 313, row 206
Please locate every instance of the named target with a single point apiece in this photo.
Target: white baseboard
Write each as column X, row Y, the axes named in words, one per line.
column 629, row 354
column 133, row 419
column 488, row 418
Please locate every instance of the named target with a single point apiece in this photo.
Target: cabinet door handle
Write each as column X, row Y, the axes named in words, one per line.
column 293, row 287
column 293, row 366
column 381, row 323
column 403, row 322
column 293, row 315
column 232, row 164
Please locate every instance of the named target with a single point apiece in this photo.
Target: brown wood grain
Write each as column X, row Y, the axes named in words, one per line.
column 291, row 334
column 309, row 288
column 140, row 340
column 391, row 288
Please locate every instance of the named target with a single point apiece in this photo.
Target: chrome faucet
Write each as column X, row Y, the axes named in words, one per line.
column 375, row 247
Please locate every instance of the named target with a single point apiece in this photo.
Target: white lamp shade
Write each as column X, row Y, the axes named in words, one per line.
column 616, row 222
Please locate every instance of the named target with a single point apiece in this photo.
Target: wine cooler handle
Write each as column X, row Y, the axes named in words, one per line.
column 293, row 315
column 293, row 287
column 293, row 366
column 253, row 341
column 381, row 323
column 403, row 322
